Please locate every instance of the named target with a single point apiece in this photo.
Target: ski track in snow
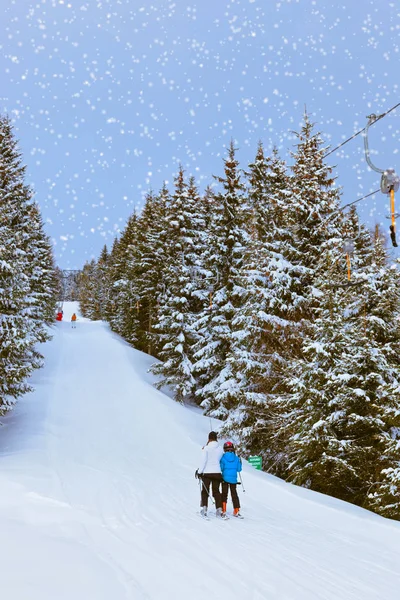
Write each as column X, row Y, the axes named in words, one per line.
column 98, row 499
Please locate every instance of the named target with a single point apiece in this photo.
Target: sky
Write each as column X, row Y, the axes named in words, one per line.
column 109, row 97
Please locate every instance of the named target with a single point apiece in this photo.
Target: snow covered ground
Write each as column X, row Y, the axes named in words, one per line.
column 98, row 499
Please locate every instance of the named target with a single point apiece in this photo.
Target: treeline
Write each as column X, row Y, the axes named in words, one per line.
column 28, row 282
column 243, row 295
column 69, row 284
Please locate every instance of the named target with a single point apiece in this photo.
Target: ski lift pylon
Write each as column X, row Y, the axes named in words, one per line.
column 390, row 181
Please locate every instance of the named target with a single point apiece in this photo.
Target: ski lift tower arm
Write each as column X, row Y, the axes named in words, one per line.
column 390, row 181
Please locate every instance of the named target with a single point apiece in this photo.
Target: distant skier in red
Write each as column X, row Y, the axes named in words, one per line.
column 59, row 316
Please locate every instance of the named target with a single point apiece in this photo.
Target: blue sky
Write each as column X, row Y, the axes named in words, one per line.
column 108, row 97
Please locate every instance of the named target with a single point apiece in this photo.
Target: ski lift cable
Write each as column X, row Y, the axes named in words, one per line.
column 341, row 209
column 375, row 120
column 345, row 142
column 359, row 199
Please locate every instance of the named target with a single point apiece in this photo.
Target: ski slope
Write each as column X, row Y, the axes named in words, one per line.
column 98, row 499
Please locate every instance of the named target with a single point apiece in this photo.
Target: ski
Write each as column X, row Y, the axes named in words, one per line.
column 204, row 517
column 207, row 517
column 221, row 518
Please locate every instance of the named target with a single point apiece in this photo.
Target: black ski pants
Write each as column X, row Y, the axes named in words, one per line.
column 235, row 498
column 213, row 480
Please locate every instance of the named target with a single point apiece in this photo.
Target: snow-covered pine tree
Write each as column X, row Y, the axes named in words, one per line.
column 20, row 322
column 361, row 237
column 223, row 261
column 202, row 208
column 123, row 283
column 180, row 304
column 316, row 388
column 314, row 203
column 42, row 274
column 317, row 238
column 59, row 284
column 206, row 204
column 271, row 276
column 103, row 284
column 308, row 231
column 376, row 322
column 88, row 291
column 152, row 252
column 110, row 307
column 343, row 416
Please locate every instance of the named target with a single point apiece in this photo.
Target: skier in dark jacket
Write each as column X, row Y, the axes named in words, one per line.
column 231, row 465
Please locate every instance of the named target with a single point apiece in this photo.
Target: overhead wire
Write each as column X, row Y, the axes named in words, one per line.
column 378, row 118
column 359, row 199
column 345, row 142
column 341, row 209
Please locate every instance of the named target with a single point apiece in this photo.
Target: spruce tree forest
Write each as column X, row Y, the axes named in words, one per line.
column 29, row 281
column 265, row 303
column 258, row 311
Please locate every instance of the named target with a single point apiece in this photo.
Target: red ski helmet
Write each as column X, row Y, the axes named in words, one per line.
column 229, row 447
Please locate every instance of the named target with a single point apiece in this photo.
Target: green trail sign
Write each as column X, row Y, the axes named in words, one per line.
column 256, row 461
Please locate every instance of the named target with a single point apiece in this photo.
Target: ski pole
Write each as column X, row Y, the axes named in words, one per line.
column 241, row 481
column 208, row 493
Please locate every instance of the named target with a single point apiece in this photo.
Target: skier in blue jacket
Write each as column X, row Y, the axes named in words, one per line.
column 231, row 465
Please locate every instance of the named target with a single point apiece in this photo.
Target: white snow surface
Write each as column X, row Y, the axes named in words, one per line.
column 98, row 499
